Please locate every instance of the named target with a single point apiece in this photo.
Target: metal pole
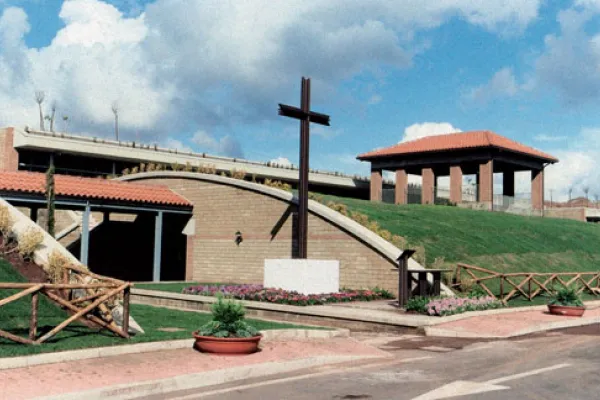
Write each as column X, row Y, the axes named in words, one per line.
column 85, row 235
column 157, row 246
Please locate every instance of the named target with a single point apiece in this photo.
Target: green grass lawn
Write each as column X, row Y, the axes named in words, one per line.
column 14, row 317
column 493, row 240
column 175, row 287
column 499, row 241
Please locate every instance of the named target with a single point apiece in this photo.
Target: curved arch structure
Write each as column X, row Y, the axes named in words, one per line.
column 264, row 217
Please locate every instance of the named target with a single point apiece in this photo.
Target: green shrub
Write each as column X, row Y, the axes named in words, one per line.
column 477, row 292
column 417, row 304
column 227, row 321
column 566, row 296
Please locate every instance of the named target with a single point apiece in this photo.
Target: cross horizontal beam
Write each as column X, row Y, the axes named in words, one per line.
column 297, row 113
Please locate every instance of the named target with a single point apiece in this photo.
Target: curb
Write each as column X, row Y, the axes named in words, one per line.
column 203, row 379
column 507, row 310
column 322, row 311
column 548, row 326
column 99, row 352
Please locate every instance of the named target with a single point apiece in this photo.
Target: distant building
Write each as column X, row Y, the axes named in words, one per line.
column 31, row 150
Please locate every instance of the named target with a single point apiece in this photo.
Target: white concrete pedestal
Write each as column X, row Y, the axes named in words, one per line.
column 303, row 276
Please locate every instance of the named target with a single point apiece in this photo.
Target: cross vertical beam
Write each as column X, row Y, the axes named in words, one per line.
column 157, row 246
column 304, row 168
column 85, row 235
column 306, row 117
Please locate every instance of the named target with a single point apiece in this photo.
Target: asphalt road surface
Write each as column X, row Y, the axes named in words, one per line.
column 553, row 366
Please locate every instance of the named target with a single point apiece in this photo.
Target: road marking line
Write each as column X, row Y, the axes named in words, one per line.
column 295, row 378
column 464, row 388
column 524, row 374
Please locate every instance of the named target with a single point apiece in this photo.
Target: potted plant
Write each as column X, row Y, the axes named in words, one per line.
column 227, row 332
column 566, row 301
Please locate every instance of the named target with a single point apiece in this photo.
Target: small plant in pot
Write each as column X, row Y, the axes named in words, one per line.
column 566, row 301
column 227, row 332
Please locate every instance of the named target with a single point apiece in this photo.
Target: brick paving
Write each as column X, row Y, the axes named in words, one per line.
column 75, row 376
column 508, row 324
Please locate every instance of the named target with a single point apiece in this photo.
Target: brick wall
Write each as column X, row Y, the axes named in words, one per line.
column 266, row 226
column 9, row 158
column 577, row 214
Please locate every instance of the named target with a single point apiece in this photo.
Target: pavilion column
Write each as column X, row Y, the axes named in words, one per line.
column 427, row 187
column 33, row 214
column 508, row 183
column 85, row 235
column 456, row 178
column 401, row 186
column 376, row 184
column 486, row 183
column 537, row 189
column 157, row 246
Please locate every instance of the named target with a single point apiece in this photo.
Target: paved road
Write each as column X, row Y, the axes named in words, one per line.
column 555, row 366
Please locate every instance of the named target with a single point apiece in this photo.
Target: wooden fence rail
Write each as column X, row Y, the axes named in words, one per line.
column 98, row 295
column 527, row 284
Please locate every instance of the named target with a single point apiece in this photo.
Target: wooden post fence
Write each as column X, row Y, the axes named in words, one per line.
column 526, row 284
column 98, row 295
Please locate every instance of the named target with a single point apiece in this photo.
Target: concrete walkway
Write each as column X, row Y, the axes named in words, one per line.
column 134, row 375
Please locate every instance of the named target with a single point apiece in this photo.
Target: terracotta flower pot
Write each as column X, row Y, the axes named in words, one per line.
column 211, row 344
column 571, row 311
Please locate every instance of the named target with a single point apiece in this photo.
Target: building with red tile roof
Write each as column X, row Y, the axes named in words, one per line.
column 481, row 153
column 101, row 190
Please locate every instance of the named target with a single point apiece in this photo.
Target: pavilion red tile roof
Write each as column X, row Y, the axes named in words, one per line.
column 91, row 188
column 457, row 141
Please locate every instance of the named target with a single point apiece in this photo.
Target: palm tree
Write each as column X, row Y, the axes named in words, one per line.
column 53, row 108
column 39, row 98
column 586, row 190
column 115, row 110
column 570, row 193
column 66, row 120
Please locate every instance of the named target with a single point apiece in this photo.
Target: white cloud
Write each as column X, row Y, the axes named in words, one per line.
column 549, row 138
column 281, row 161
column 502, row 84
column 172, row 143
column 91, row 23
column 570, row 61
column 95, row 60
column 419, row 130
column 374, row 99
column 172, row 65
column 326, row 132
column 226, row 145
column 579, row 166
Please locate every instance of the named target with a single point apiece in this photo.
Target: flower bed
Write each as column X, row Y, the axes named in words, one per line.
column 280, row 296
column 445, row 306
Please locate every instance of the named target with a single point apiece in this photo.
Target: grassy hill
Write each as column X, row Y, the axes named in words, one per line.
column 498, row 241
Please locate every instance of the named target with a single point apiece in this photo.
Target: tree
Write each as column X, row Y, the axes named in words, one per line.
column 50, row 199
column 65, row 118
column 596, row 199
column 115, row 110
column 39, row 98
column 52, row 116
column 586, row 191
column 570, row 192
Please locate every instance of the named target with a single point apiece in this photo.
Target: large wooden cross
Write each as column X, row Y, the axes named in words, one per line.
column 306, row 117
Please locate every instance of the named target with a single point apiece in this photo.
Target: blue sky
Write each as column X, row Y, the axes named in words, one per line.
column 207, row 75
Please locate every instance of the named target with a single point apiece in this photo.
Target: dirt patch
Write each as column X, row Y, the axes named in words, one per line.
column 29, row 270
column 170, row 329
column 431, row 343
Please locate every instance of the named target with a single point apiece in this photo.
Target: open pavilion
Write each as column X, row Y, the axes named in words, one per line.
column 480, row 153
